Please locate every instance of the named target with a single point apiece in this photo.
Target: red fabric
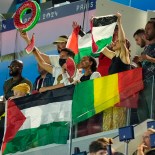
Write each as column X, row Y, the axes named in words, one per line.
column 104, row 64
column 73, row 41
column 94, row 45
column 15, row 120
column 130, row 102
column 130, row 83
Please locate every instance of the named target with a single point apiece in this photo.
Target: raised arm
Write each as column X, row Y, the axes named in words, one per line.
column 41, row 61
column 121, row 34
column 124, row 55
column 25, row 36
column 108, row 53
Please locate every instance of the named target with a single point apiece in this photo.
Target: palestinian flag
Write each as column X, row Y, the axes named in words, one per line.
column 38, row 120
column 94, row 96
column 92, row 43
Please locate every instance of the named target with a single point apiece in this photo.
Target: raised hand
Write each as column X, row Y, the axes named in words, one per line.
column 119, row 16
column 25, row 36
column 75, row 25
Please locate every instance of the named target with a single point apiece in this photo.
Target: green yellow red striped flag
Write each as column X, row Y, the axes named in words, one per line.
column 94, row 96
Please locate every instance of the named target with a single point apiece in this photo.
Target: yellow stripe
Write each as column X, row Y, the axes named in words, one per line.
column 106, row 93
column 3, row 115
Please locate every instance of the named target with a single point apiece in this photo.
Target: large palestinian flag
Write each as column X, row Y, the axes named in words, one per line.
column 92, row 43
column 38, row 120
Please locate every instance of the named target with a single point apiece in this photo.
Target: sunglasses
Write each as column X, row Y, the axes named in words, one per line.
column 13, row 67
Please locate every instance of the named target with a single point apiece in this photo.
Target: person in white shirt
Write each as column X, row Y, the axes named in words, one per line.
column 58, row 71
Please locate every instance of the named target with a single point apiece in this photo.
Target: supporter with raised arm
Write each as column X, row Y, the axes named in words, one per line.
column 121, row 55
column 115, row 117
column 60, row 43
column 56, row 70
column 105, row 62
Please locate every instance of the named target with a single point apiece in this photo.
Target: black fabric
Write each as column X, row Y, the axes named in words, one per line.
column 56, row 95
column 1, row 129
column 48, row 81
column 118, row 66
column 9, row 92
column 62, row 62
column 2, row 108
column 40, row 83
column 103, row 21
column 85, row 78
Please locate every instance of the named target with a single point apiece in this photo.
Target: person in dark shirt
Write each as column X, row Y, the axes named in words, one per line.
column 146, row 108
column 45, row 79
column 115, row 117
column 15, row 71
column 121, row 55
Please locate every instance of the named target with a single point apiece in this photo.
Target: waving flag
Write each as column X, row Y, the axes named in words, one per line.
column 102, row 93
column 92, row 43
column 44, row 118
column 38, row 120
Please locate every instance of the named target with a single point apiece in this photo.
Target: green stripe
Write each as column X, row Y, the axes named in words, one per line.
column 83, row 92
column 88, row 50
column 56, row 132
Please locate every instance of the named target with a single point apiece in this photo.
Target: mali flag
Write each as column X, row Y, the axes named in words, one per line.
column 94, row 96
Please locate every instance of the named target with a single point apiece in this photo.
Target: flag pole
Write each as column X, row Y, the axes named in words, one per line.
column 152, row 97
column 70, row 135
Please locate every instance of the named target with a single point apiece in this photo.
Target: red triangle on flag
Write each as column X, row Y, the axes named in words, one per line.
column 14, row 120
column 94, row 45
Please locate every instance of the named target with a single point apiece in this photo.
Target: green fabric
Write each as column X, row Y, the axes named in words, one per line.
column 88, row 50
column 56, row 132
column 81, row 109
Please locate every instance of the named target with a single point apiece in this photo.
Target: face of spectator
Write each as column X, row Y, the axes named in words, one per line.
column 85, row 63
column 14, row 69
column 63, row 58
column 146, row 138
column 63, row 55
column 60, row 46
column 150, row 31
column 139, row 39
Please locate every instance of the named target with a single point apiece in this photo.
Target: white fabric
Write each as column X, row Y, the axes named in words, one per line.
column 56, row 72
column 54, row 59
column 93, row 76
column 66, row 76
column 78, row 76
column 36, row 116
